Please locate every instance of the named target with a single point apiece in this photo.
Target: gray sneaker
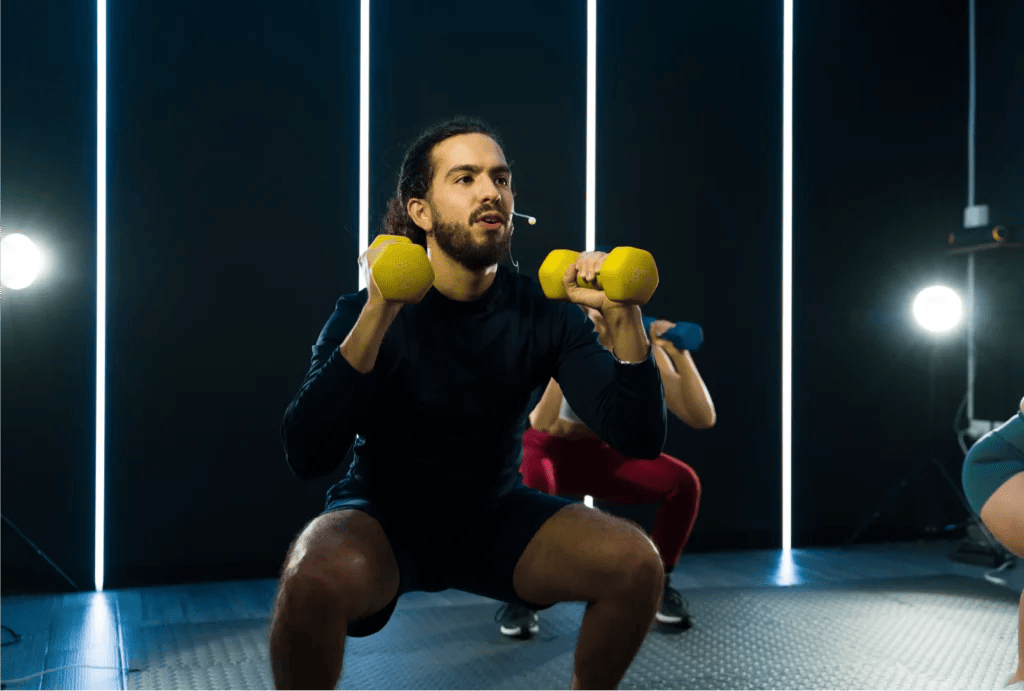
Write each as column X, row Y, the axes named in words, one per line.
column 517, row 621
column 674, row 610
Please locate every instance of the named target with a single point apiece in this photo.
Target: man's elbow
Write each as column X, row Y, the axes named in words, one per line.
column 298, row 462
column 303, row 465
column 298, row 458
column 650, row 451
column 652, row 445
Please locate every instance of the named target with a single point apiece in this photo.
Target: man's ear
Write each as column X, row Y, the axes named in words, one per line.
column 419, row 212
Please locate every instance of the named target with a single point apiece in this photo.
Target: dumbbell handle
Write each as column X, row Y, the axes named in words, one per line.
column 684, row 335
column 628, row 275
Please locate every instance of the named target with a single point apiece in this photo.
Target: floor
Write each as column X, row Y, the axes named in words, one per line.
column 214, row 635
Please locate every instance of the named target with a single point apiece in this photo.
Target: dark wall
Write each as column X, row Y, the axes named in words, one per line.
column 880, row 179
column 233, row 211
column 1000, row 184
column 48, row 331
column 232, row 230
column 523, row 71
column 689, row 168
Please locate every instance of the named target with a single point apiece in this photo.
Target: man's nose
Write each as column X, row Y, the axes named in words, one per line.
column 491, row 193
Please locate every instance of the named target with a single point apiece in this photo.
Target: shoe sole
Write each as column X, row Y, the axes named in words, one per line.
column 518, row 630
column 665, row 619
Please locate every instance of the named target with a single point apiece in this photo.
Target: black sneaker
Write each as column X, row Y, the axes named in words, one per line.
column 517, row 621
column 674, row 610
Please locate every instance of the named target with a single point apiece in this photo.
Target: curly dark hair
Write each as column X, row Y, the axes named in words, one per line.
column 418, row 171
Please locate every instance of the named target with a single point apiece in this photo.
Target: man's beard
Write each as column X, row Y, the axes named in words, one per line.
column 456, row 240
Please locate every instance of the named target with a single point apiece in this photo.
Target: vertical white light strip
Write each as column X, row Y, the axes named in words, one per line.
column 787, row 274
column 101, row 284
column 364, row 131
column 591, row 201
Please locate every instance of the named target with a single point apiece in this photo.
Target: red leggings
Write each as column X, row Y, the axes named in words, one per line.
column 555, row 465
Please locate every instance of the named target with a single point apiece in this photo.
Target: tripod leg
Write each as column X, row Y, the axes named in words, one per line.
column 958, row 492
column 894, row 492
column 40, row 552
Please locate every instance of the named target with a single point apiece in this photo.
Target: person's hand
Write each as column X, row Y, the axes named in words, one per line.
column 374, row 296
column 586, row 267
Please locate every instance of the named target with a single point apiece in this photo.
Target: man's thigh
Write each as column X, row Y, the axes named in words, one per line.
column 584, row 554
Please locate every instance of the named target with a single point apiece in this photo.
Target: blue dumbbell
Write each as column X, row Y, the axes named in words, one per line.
column 684, row 335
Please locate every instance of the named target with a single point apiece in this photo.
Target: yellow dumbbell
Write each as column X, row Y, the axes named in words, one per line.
column 628, row 275
column 400, row 268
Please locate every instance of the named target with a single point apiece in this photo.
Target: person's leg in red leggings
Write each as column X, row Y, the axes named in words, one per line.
column 555, row 465
column 537, row 468
column 591, row 467
column 584, row 467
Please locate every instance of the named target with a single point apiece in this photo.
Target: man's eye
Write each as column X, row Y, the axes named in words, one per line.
column 503, row 181
column 464, row 177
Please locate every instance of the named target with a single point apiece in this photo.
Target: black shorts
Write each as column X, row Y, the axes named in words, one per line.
column 475, row 550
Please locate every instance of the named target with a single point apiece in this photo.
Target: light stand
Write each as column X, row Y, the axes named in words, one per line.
column 923, row 464
column 39, row 552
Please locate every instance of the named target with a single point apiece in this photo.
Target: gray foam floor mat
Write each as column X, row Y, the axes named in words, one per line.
column 941, row 632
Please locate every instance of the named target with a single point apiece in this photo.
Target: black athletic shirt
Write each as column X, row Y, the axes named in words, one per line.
column 443, row 411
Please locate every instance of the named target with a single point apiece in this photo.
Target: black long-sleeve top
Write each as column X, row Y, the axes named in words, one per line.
column 445, row 406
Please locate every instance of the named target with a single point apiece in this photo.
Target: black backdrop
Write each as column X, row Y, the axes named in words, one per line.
column 232, row 229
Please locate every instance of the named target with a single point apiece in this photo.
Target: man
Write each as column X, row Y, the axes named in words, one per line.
column 437, row 392
column 561, row 455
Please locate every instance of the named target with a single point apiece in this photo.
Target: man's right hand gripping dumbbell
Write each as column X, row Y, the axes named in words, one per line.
column 398, row 272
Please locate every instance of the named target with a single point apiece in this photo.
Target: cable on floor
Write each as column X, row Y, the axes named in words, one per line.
column 17, row 637
column 3, row 684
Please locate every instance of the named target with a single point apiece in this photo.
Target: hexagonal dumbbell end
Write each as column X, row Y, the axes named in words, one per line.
column 629, row 275
column 552, row 270
column 401, row 269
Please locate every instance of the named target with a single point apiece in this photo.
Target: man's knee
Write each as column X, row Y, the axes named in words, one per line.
column 342, row 585
column 639, row 567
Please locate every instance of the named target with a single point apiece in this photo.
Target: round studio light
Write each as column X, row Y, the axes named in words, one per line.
column 20, row 261
column 938, row 308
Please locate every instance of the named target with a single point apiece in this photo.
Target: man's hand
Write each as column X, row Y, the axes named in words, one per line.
column 624, row 321
column 586, row 267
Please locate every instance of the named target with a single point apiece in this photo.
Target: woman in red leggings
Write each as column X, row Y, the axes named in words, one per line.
column 561, row 455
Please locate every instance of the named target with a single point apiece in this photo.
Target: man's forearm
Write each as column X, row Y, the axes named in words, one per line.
column 363, row 342
column 629, row 338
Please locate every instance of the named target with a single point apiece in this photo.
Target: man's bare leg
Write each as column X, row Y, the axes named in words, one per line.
column 1003, row 515
column 610, row 637
column 307, row 638
column 340, row 569
column 581, row 554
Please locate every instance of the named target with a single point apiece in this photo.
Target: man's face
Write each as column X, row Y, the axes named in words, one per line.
column 470, row 200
